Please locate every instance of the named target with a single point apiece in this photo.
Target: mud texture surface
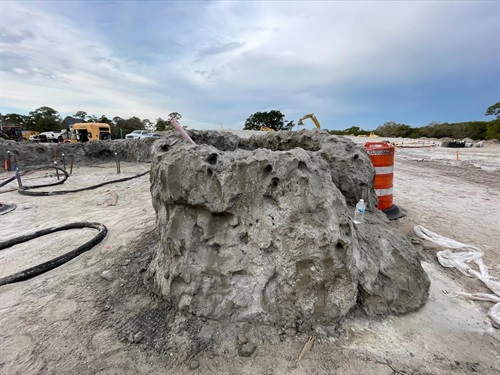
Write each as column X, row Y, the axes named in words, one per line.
column 34, row 154
column 263, row 233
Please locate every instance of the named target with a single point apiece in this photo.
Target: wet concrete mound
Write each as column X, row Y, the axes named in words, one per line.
column 30, row 154
column 260, row 231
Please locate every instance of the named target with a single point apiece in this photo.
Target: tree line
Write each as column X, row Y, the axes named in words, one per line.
column 476, row 130
column 48, row 119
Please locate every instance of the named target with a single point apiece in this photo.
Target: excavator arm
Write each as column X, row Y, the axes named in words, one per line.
column 312, row 117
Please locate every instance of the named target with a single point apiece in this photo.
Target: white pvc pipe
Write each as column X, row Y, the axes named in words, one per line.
column 181, row 130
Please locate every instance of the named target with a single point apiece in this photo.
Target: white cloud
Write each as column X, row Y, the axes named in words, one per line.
column 224, row 60
column 67, row 66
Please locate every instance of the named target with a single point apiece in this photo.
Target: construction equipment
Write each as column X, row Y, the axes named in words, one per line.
column 80, row 132
column 372, row 135
column 312, row 117
column 266, row 129
column 11, row 133
column 91, row 131
column 29, row 133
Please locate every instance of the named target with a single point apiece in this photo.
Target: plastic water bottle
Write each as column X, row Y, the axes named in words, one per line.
column 359, row 212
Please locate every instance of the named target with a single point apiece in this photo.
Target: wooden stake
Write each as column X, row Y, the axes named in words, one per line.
column 306, row 347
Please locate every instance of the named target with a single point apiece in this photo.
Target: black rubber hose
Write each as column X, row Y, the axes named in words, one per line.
column 56, row 262
column 25, row 190
column 30, row 169
column 59, row 182
column 10, row 179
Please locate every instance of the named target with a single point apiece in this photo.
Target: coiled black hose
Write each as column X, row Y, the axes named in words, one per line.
column 56, row 262
column 31, row 169
column 24, row 190
column 60, row 192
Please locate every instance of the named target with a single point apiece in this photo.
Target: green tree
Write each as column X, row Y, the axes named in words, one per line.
column 389, row 129
column 493, row 130
column 414, row 133
column 45, row 119
column 337, row 132
column 116, row 124
column 353, row 130
column 272, row 119
column 148, row 125
column 81, row 115
column 116, row 120
column 15, row 119
column 493, row 110
column 393, row 129
column 477, row 129
column 92, row 118
column 173, row 116
column 131, row 124
column 162, row 124
column 103, row 119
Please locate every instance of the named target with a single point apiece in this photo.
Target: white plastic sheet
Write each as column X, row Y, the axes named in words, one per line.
column 461, row 259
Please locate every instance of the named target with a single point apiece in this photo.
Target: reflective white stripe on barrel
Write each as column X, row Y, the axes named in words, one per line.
column 384, row 170
column 383, row 192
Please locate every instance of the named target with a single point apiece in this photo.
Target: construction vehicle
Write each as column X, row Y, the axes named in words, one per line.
column 372, row 135
column 266, row 129
column 80, row 132
column 90, row 131
column 29, row 133
column 312, row 117
column 55, row 136
column 11, row 133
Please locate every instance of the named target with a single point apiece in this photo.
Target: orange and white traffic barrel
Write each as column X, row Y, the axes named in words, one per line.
column 382, row 157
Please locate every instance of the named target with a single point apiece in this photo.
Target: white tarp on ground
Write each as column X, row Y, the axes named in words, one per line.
column 460, row 260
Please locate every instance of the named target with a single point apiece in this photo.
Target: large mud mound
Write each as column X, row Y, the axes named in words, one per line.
column 29, row 154
column 260, row 230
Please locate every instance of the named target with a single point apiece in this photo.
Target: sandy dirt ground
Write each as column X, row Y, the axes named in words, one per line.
column 94, row 315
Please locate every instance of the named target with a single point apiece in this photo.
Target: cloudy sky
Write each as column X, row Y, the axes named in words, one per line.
column 351, row 63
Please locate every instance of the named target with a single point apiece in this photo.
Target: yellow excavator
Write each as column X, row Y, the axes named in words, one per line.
column 312, row 117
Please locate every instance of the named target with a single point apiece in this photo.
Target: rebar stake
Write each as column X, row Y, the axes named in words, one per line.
column 8, row 162
column 117, row 163
column 14, row 158
column 71, row 165
column 18, row 176
column 64, row 162
column 57, row 170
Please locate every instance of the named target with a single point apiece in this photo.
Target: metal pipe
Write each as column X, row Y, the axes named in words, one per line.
column 117, row 163
column 15, row 161
column 18, row 176
column 57, row 170
column 64, row 162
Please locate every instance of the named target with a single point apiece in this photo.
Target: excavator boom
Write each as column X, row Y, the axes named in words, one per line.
column 312, row 117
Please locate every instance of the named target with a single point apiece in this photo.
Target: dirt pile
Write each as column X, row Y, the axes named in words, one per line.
column 29, row 154
column 259, row 231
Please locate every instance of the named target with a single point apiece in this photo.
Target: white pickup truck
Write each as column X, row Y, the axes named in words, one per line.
column 50, row 136
column 136, row 134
